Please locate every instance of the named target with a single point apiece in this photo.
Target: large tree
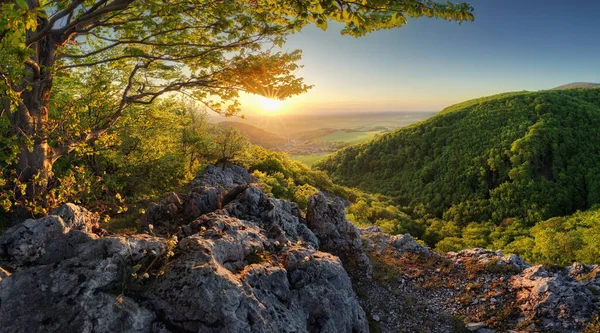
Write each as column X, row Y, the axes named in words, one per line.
column 134, row 51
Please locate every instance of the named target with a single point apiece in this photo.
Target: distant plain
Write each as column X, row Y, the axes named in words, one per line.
column 306, row 139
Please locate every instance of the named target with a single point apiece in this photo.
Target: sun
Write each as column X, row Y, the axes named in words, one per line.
column 270, row 105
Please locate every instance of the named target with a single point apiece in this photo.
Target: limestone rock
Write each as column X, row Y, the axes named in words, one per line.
column 81, row 291
column 327, row 219
column 26, row 242
column 223, row 258
column 556, row 299
column 228, row 177
column 214, row 188
column 77, row 218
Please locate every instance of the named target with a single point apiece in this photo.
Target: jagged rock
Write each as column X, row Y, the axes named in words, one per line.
column 282, row 219
column 557, row 300
column 405, row 243
column 327, row 219
column 26, row 242
column 214, row 188
column 229, row 177
column 232, row 285
column 246, row 263
column 77, row 218
column 375, row 240
column 74, row 287
column 29, row 242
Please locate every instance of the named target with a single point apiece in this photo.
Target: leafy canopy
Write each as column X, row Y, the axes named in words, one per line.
column 148, row 48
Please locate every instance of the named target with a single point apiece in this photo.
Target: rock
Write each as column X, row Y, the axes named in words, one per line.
column 77, row 218
column 556, row 299
column 29, row 242
column 474, row 326
column 79, row 292
column 376, row 318
column 327, row 219
column 228, row 177
column 515, row 261
column 236, row 265
column 405, row 243
column 246, row 263
column 282, row 219
column 26, row 242
column 214, row 188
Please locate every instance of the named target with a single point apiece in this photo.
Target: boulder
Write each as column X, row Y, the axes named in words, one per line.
column 237, row 279
column 556, row 300
column 77, row 218
column 327, row 220
column 75, row 287
column 211, row 190
column 225, row 257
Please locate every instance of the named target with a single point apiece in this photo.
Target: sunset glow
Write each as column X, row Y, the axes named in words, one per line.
column 270, row 105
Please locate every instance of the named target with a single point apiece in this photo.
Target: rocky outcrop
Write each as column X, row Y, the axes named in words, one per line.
column 67, row 279
column 237, row 279
column 224, row 257
column 327, row 219
column 210, row 191
column 558, row 301
column 491, row 291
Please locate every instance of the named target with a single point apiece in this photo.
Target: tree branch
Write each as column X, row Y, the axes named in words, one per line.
column 52, row 21
column 93, row 14
column 95, row 134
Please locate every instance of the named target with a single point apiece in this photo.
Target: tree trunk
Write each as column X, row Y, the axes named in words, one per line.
column 30, row 121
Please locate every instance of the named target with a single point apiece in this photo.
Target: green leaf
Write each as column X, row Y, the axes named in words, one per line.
column 322, row 24
column 22, row 4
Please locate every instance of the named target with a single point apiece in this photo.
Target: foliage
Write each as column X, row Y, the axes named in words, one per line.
column 532, row 156
column 229, row 144
column 71, row 70
column 484, row 172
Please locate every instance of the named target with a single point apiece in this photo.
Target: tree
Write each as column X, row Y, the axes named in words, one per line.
column 228, row 144
column 135, row 51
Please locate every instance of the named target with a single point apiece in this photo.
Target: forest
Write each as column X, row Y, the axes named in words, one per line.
column 499, row 172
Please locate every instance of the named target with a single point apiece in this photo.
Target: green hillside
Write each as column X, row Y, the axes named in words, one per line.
column 531, row 155
column 257, row 135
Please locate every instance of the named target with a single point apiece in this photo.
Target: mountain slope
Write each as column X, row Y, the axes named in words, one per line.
column 256, row 135
column 531, row 155
column 576, row 85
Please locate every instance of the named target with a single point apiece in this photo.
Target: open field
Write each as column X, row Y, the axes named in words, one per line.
column 291, row 125
column 310, row 138
column 350, row 137
column 310, row 159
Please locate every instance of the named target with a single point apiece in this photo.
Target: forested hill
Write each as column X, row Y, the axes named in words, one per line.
column 531, row 155
column 575, row 85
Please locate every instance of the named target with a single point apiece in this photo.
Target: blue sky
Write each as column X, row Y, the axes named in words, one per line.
column 430, row 64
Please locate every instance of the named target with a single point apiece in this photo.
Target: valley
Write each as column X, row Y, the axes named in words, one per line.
column 305, row 140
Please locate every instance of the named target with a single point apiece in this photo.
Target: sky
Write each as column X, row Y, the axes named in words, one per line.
column 430, row 64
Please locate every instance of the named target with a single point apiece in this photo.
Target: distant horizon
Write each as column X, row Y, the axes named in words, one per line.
column 300, row 109
column 430, row 64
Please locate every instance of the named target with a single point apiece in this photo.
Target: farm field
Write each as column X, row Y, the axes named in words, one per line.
column 350, row 137
column 310, row 159
column 306, row 139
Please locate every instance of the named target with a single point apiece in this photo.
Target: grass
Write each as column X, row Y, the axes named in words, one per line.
column 309, row 159
column 123, row 223
column 350, row 137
